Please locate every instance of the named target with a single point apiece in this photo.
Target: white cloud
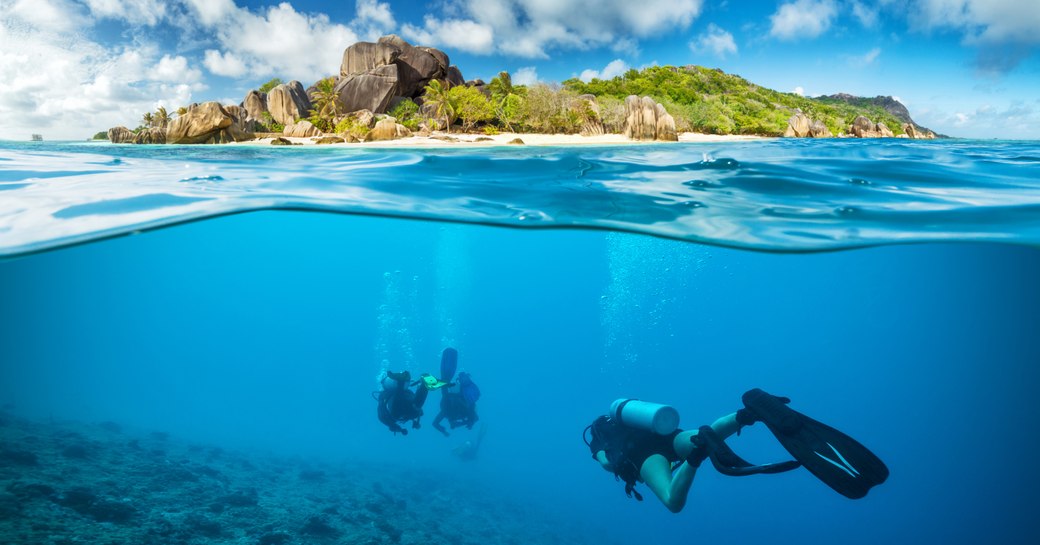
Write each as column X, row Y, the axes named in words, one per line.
column 278, row 42
column 137, row 12
column 613, row 69
column 527, row 75
column 866, row 59
column 211, row 12
column 224, row 64
column 530, row 28
column 373, row 11
column 867, row 14
column 800, row 91
column 175, row 69
column 982, row 21
column 45, row 15
column 802, row 19
column 714, row 40
column 63, row 85
column 461, row 34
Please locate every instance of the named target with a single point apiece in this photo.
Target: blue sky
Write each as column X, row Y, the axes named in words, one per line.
column 69, row 68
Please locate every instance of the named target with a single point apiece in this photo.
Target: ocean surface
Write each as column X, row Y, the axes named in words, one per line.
column 889, row 288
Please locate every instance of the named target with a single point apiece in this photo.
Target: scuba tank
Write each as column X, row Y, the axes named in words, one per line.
column 660, row 419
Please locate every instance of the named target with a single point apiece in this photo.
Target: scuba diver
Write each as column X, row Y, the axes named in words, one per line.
column 641, row 442
column 398, row 404
column 459, row 398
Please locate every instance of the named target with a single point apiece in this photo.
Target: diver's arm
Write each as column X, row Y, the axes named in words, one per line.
column 601, row 457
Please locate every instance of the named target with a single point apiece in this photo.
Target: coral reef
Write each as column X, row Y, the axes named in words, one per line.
column 67, row 482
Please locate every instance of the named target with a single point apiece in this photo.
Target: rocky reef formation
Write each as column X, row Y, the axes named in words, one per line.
column 67, row 482
column 648, row 120
column 890, row 105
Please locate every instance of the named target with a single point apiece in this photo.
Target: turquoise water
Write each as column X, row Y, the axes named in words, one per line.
column 266, row 331
column 778, row 195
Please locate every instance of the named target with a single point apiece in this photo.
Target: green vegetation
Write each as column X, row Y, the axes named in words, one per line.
column 438, row 101
column 406, row 113
column 326, row 109
column 102, row 135
column 711, row 101
column 350, row 125
column 266, row 88
column 471, row 106
column 268, row 124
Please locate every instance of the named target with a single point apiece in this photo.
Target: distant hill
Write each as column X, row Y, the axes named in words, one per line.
column 711, row 101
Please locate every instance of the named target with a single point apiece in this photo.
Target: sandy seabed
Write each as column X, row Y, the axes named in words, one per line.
column 442, row 139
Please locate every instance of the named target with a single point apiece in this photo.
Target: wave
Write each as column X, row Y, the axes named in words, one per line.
column 781, row 195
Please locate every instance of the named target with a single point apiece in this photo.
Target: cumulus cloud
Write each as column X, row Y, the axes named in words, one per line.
column 224, row 64
column 982, row 21
column 278, row 41
column 802, row 19
column 175, row 69
column 461, row 34
column 800, row 91
column 137, row 12
column 531, row 28
column 527, row 75
column 1004, row 31
column 716, row 41
column 612, row 70
column 64, row 85
column 45, row 15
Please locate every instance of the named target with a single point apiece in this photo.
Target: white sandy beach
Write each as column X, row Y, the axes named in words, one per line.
column 443, row 139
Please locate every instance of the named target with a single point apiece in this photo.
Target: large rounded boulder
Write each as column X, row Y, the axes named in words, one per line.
column 120, row 135
column 372, row 90
column 207, row 123
column 255, row 104
column 288, row 102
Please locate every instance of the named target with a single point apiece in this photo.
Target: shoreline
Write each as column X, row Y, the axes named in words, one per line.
column 443, row 139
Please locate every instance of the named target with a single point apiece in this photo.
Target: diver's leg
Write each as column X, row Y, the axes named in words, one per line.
column 420, row 396
column 671, row 489
column 724, row 427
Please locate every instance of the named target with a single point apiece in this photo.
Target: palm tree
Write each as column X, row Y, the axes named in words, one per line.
column 161, row 118
column 325, row 105
column 182, row 110
column 436, row 95
column 147, row 119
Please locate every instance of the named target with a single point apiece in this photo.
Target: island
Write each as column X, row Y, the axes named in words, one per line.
column 390, row 90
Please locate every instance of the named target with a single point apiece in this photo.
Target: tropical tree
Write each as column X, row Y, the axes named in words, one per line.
column 147, row 120
column 182, row 110
column 266, row 88
column 161, row 118
column 471, row 106
column 325, row 110
column 437, row 97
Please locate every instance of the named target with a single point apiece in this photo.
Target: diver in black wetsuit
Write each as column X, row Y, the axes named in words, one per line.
column 641, row 442
column 398, row 404
column 458, row 404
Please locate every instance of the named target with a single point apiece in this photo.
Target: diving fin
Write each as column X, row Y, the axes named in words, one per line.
column 449, row 361
column 711, row 446
column 838, row 460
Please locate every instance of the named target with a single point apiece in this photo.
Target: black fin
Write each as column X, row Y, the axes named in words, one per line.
column 710, row 445
column 838, row 460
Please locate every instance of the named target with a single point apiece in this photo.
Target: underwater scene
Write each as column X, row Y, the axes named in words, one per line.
column 193, row 349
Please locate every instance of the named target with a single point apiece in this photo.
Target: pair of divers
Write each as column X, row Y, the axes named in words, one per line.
column 640, row 441
column 398, row 404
